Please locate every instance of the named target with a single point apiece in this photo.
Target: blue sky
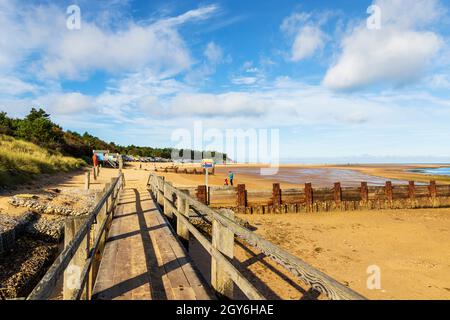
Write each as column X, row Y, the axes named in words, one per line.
column 136, row 71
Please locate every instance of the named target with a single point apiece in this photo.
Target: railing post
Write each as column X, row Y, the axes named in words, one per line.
column 388, row 191
column 222, row 240
column 72, row 274
column 182, row 229
column 114, row 195
column 87, row 180
column 241, row 198
column 337, row 192
column 276, row 194
column 101, row 216
column 411, row 190
column 160, row 190
column 167, row 195
column 364, row 192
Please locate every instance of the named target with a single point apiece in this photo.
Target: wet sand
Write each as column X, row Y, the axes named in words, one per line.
column 409, row 246
column 295, row 176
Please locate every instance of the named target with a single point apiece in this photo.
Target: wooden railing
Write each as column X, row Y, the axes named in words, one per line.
column 84, row 239
column 223, row 273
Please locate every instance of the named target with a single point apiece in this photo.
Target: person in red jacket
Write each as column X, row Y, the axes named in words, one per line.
column 95, row 160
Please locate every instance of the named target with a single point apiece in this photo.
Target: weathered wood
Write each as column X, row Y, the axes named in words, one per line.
column 276, row 194
column 241, row 197
column 337, row 193
column 309, row 194
column 45, row 287
column 87, row 180
column 246, row 287
column 311, row 276
column 411, row 190
column 432, row 189
column 167, row 194
column 388, row 191
column 201, row 194
column 182, row 229
column 223, row 241
column 72, row 274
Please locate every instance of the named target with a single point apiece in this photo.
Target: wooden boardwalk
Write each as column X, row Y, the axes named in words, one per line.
column 143, row 259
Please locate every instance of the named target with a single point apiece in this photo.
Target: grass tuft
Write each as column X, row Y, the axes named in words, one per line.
column 20, row 161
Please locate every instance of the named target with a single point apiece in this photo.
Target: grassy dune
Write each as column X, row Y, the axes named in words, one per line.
column 20, row 161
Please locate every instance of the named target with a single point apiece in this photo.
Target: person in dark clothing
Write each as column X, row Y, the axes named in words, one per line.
column 231, row 177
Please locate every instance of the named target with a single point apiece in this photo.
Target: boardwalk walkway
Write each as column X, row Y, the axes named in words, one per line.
column 143, row 259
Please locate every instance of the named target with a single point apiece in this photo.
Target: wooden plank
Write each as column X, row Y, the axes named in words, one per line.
column 311, row 276
column 246, row 287
column 223, row 241
column 150, row 263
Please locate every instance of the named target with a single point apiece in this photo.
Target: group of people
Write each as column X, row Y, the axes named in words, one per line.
column 229, row 178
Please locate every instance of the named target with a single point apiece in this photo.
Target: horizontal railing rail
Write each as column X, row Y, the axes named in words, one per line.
column 94, row 226
column 164, row 193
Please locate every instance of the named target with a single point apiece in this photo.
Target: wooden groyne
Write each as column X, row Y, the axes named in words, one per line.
column 182, row 170
column 336, row 198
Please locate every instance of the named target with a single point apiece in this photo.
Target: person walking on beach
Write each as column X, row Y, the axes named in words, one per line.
column 95, row 160
column 231, row 176
column 226, row 181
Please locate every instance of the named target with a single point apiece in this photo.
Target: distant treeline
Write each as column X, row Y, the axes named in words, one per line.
column 38, row 128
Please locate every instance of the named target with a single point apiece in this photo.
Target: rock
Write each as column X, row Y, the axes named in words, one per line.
column 23, row 266
column 47, row 230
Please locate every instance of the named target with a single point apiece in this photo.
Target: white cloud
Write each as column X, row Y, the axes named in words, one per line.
column 213, row 53
column 396, row 54
column 58, row 52
column 67, row 103
column 439, row 81
column 309, row 39
column 13, row 86
column 244, row 80
column 214, row 56
column 304, row 30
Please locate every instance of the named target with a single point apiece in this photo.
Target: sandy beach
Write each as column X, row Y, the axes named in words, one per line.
column 410, row 246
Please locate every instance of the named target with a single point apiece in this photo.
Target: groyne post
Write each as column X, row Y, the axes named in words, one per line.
column 309, row 195
column 388, row 191
column 241, row 197
column 276, row 194
column 202, row 194
column 337, row 192
column 364, row 192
